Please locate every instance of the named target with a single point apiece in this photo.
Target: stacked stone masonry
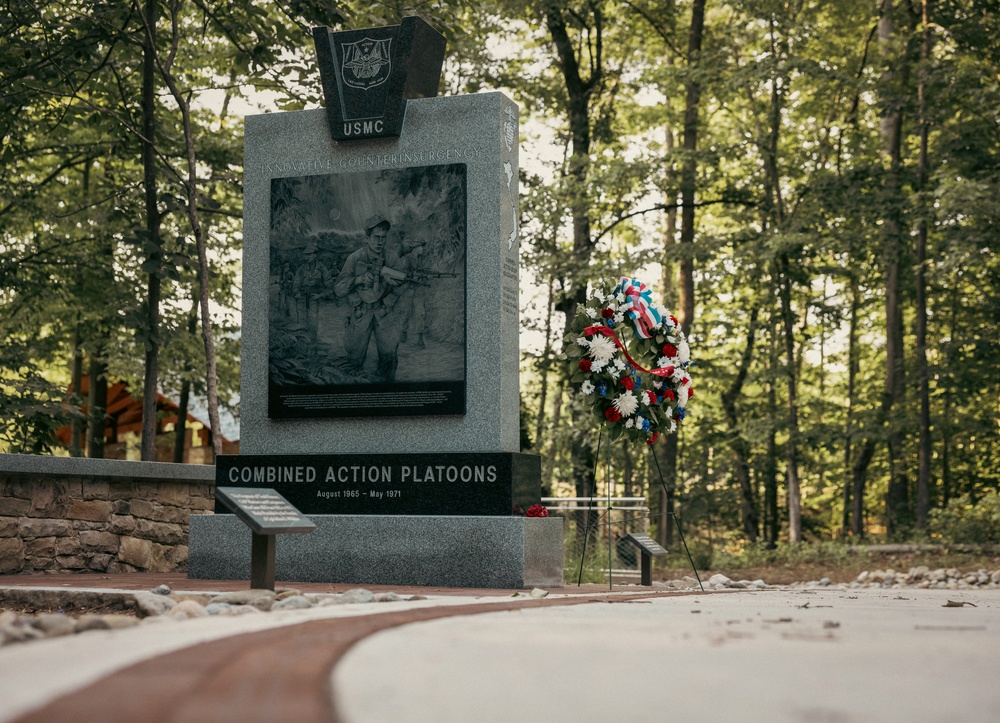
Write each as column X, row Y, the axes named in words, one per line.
column 80, row 515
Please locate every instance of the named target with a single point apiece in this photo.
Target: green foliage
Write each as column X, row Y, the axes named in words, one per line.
column 31, row 407
column 833, row 554
column 966, row 521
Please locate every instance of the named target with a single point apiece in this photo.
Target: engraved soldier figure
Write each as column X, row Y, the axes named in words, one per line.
column 310, row 284
column 368, row 280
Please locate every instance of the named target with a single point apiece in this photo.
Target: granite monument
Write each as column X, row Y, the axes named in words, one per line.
column 380, row 358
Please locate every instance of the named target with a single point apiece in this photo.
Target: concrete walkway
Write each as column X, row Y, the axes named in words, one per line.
column 825, row 655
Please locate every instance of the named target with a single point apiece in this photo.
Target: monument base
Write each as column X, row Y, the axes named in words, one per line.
column 445, row 551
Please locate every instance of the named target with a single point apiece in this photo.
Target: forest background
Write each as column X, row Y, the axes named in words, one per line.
column 812, row 187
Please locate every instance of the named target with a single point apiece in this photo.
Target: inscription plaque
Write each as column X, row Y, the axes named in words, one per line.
column 263, row 510
column 473, row 483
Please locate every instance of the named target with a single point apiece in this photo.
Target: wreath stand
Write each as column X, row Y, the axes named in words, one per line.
column 607, row 514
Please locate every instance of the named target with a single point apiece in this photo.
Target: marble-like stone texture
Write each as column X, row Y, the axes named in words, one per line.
column 478, row 130
column 490, row 552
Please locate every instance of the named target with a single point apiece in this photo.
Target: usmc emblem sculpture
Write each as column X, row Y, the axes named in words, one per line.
column 368, row 75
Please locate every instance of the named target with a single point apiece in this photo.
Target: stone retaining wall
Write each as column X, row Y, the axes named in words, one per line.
column 59, row 514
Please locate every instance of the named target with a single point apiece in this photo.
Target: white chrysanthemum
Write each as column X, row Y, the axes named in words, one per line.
column 597, row 294
column 639, row 420
column 672, row 427
column 597, row 366
column 629, row 423
column 683, row 351
column 587, row 388
column 619, row 297
column 657, row 385
column 582, row 341
column 644, row 398
column 591, row 312
column 682, row 395
column 663, row 361
column 601, row 348
column 678, row 375
column 619, row 318
column 626, row 403
column 618, row 364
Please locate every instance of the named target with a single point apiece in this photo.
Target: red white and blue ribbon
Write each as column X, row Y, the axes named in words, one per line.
column 643, row 316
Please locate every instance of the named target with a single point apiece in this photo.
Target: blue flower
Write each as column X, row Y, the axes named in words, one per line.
column 680, row 412
column 645, row 425
column 638, row 379
column 610, row 323
column 602, row 389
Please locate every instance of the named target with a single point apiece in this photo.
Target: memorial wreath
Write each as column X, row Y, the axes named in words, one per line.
column 612, row 337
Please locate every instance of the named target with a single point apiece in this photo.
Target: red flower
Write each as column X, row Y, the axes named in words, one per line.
column 608, row 313
column 585, row 365
column 690, row 392
column 674, row 319
column 628, row 382
column 612, row 414
column 651, row 396
column 652, row 440
column 669, row 350
column 537, row 511
column 669, row 394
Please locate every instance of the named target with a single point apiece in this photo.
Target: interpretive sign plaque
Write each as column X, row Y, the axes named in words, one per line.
column 648, row 548
column 267, row 514
column 263, row 510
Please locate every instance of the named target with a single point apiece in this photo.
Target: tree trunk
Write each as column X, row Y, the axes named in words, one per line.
column 580, row 93
column 924, row 424
column 194, row 218
column 739, row 446
column 544, row 368
column 893, row 79
column 76, row 431
column 791, row 447
column 771, row 519
column 689, row 168
column 152, row 334
column 97, row 403
column 852, row 375
column 180, row 428
column 667, row 485
column 688, row 188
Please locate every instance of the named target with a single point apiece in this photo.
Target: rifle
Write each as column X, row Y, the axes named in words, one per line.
column 416, row 276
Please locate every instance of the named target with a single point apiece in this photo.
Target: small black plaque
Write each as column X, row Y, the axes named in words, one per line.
column 646, row 544
column 648, row 549
column 263, row 510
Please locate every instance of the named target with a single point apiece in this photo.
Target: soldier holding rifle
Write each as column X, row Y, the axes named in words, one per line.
column 369, row 279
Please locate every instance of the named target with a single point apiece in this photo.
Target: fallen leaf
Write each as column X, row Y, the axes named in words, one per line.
column 831, row 624
column 957, row 604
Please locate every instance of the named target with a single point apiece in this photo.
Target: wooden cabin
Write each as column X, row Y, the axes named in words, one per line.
column 123, row 428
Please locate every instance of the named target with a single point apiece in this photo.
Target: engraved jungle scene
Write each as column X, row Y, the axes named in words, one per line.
column 367, row 277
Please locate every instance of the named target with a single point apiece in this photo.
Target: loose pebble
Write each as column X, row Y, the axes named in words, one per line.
column 294, row 602
column 151, row 605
